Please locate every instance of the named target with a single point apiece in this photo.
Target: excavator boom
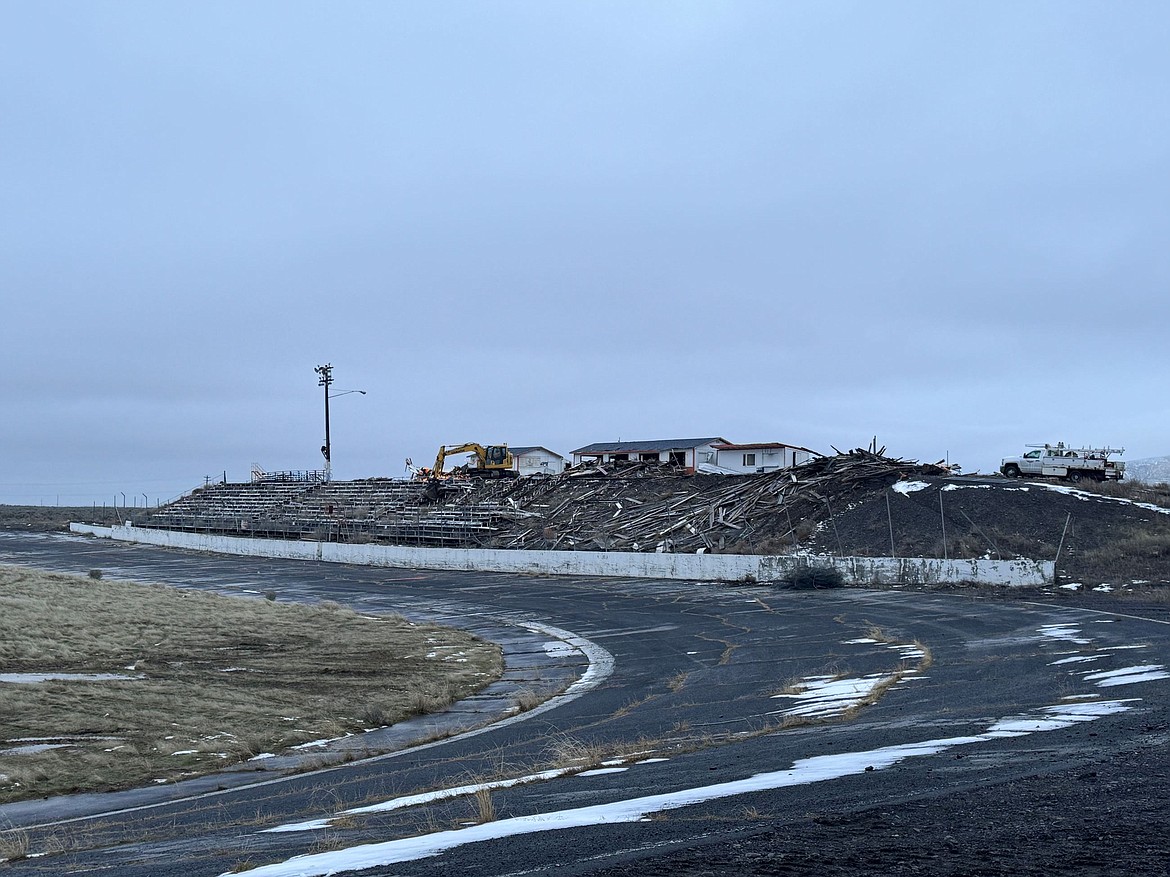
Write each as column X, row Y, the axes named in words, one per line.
column 490, row 460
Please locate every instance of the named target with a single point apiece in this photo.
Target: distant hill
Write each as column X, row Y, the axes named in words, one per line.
column 1151, row 470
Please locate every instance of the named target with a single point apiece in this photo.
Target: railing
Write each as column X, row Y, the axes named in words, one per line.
column 259, row 476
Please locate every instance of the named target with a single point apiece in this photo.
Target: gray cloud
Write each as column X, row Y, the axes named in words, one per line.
column 943, row 225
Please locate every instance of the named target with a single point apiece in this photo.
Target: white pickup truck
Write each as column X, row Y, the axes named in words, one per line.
column 1071, row 464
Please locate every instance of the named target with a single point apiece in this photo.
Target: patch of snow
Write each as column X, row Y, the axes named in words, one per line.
column 825, row 696
column 1104, row 589
column 1071, row 586
column 860, row 641
column 558, row 649
column 316, row 744
column 1086, row 496
column 36, row 678
column 34, row 748
column 1066, row 632
column 1077, row 660
column 967, row 486
column 908, row 487
column 907, row 651
column 602, row 770
column 425, row 798
column 1128, row 675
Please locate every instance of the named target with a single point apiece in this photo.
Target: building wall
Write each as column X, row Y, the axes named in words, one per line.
column 539, row 462
column 766, row 459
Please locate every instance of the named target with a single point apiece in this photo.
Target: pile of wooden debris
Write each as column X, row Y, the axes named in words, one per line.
column 637, row 508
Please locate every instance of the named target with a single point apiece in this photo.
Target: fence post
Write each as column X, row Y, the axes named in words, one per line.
column 942, row 517
column 890, row 518
column 1056, row 560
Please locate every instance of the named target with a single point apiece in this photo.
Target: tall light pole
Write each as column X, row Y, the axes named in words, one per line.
column 325, row 378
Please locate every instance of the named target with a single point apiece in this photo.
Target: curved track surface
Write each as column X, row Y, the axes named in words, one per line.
column 718, row 722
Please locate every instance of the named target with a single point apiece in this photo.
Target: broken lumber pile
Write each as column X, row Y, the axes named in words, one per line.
column 647, row 512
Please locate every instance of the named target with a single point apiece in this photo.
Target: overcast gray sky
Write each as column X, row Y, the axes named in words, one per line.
column 943, row 224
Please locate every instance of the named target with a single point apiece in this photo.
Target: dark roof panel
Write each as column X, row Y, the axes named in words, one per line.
column 736, row 446
column 527, row 449
column 657, row 445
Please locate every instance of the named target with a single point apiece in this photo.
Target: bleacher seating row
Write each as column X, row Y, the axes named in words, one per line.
column 381, row 510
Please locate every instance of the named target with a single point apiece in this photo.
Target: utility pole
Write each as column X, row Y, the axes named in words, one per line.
column 325, row 378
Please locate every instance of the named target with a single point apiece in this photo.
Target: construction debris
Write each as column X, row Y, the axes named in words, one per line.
column 636, row 506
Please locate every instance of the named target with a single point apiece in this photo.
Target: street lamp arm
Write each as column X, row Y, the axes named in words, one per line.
column 346, row 393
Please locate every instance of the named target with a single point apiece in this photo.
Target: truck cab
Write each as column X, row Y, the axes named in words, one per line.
column 1045, row 461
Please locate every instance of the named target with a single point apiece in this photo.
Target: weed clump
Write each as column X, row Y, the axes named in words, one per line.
column 810, row 578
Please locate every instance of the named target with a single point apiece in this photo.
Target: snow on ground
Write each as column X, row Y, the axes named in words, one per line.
column 33, row 748
column 820, row 768
column 1086, row 496
column 907, row 487
column 37, row 678
column 1128, row 675
column 558, row 649
column 1066, row 632
column 819, row 696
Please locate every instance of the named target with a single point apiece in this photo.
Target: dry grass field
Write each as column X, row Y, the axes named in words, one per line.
column 187, row 682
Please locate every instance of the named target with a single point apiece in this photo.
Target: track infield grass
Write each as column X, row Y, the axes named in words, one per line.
column 189, row 682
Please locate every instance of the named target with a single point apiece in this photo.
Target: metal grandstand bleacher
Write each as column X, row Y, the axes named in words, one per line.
column 367, row 510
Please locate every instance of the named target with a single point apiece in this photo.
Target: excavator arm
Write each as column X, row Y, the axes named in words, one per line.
column 444, row 450
column 491, row 460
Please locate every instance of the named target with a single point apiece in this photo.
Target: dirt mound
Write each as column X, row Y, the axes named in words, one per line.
column 1099, row 537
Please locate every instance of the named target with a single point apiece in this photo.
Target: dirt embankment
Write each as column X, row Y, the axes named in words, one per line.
column 1105, row 534
column 48, row 519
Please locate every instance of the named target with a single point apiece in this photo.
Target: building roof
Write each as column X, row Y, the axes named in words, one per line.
column 754, row 446
column 656, row 445
column 517, row 450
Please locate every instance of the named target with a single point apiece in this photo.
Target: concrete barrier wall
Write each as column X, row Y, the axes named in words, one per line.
column 627, row 564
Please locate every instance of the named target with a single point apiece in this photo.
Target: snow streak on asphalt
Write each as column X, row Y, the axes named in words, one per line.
column 1128, row 675
column 1066, row 632
column 820, row 696
column 816, row 769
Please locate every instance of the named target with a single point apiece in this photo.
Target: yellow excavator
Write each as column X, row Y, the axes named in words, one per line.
column 491, row 461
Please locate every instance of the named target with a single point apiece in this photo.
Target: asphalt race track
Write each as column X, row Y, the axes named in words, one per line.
column 728, row 726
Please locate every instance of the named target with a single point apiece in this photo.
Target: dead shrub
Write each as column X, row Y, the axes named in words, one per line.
column 13, row 845
column 814, row 578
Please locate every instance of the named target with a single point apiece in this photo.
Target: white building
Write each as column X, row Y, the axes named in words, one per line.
column 536, row 460
column 758, row 456
column 686, row 453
